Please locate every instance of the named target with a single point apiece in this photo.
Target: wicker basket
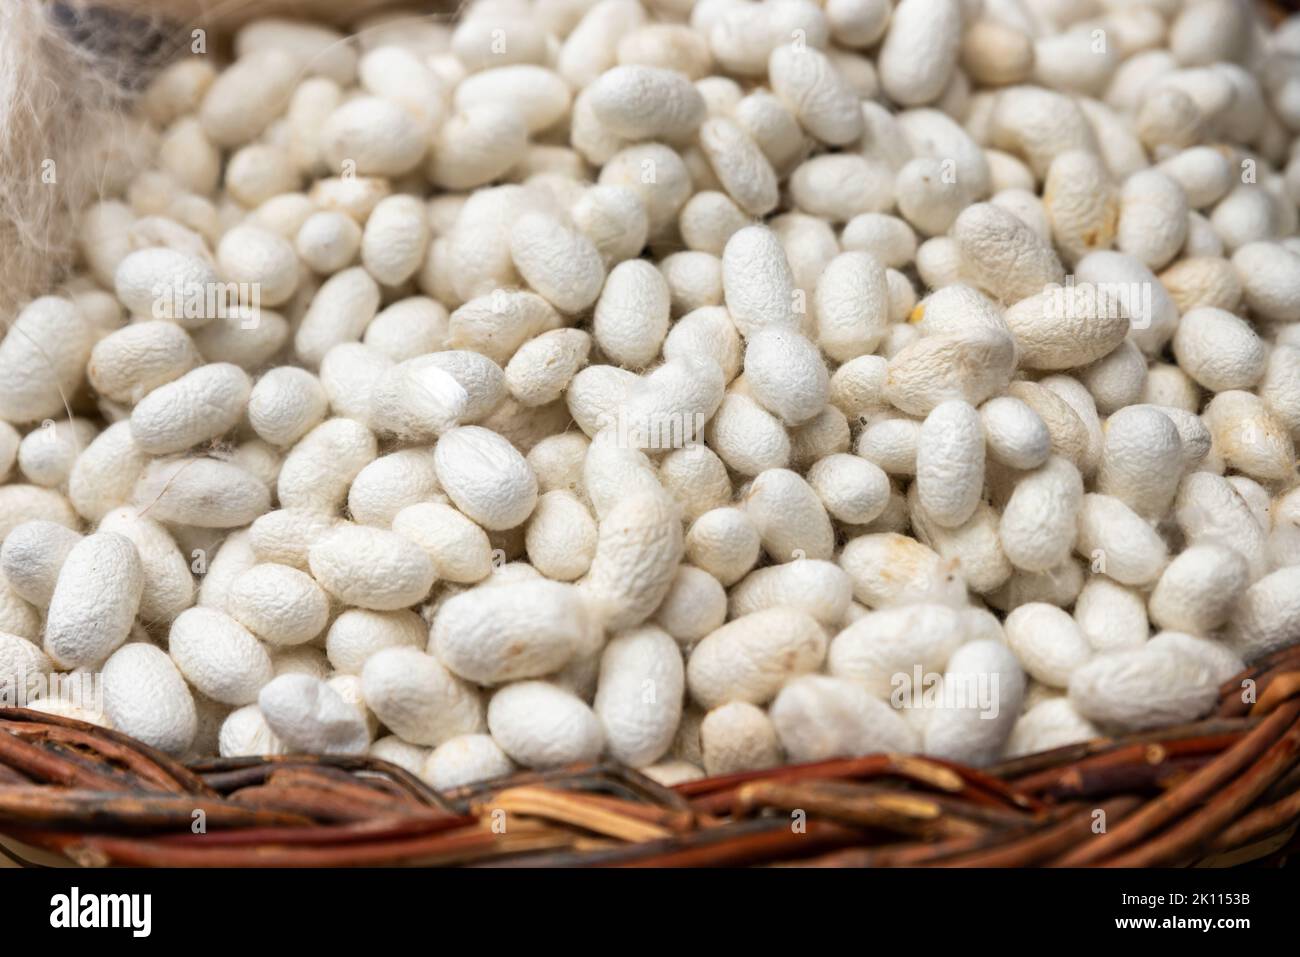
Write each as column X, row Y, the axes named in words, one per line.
column 1224, row 790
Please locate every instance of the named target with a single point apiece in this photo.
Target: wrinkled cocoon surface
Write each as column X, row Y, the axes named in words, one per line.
column 699, row 388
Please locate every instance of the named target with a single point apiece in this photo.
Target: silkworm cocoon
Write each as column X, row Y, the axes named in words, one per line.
column 1268, row 277
column 558, row 462
column 394, row 240
column 1002, row 255
column 540, row 725
column 1142, row 298
column 128, row 364
column 670, row 46
column 773, row 127
column 723, row 542
column 738, row 737
column 1117, row 379
column 1142, row 460
column 1210, row 511
column 1267, row 617
column 328, row 241
column 614, row 219
column 982, row 692
column 820, row 588
column 808, row 83
column 94, row 601
column 373, row 136
column 706, row 333
column 757, row 282
column 973, row 365
column 146, row 698
column 309, row 715
column 852, row 302
column 1204, row 173
column 1110, row 616
column 371, row 568
column 285, row 404
column 639, row 694
column 459, row 549
column 485, row 476
column 420, row 398
column 561, row 536
column 696, row 478
column 740, row 165
column 890, row 240
column 694, row 606
column 819, row 717
column 893, row 569
column 1219, row 350
column 614, row 469
column 1223, row 663
column 319, row 470
column 1014, row 433
column 708, row 220
column 1248, row 437
column 409, row 328
column 647, row 103
column 465, row 759
column 17, row 617
column 260, row 258
column 20, row 662
column 389, row 484
column 245, row 732
column 1118, row 542
column 9, row 442
column 1153, row 218
column 198, row 406
column 658, row 176
column 995, row 53
column 1052, row 723
column 32, row 556
column 1142, row 688
column 280, row 604
column 164, row 283
column 835, row 186
column 791, row 520
column 43, row 359
column 339, row 312
column 1256, row 496
column 1070, row 436
column 857, row 387
column 741, row 42
column 786, row 374
column 746, row 436
column 750, row 658
column 476, row 146
column 851, row 488
column 883, row 649
column 542, row 368
column 360, row 633
column 561, row 264
column 1066, row 326
column 218, row 656
column 1048, row 643
column 415, row 696
column 694, row 280
column 46, row 455
column 1038, row 522
column 22, row 503
column 950, row 463
column 920, row 50
column 168, row 584
column 1280, row 387
column 637, row 552
column 631, row 316
column 408, row 757
column 1198, row 590
column 493, row 635
column 244, row 98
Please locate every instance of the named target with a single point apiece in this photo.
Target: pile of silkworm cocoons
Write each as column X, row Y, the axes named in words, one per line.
column 702, row 387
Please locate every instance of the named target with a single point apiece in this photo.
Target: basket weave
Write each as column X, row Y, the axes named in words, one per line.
column 1221, row 790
